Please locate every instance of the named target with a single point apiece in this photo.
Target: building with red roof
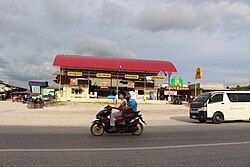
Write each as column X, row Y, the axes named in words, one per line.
column 94, row 76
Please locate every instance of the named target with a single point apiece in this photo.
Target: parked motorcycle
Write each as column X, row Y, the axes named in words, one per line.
column 24, row 99
column 34, row 103
column 102, row 123
column 3, row 96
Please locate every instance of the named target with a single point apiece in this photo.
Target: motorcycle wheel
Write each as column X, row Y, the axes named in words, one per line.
column 41, row 106
column 30, row 106
column 139, row 130
column 47, row 104
column 96, row 130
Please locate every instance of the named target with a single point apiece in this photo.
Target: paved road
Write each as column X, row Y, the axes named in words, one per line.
column 195, row 145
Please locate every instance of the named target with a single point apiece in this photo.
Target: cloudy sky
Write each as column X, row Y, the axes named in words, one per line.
column 212, row 34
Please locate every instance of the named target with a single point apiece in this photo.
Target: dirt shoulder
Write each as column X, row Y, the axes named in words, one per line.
column 81, row 114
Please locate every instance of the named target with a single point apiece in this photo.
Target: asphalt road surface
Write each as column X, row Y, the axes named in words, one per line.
column 227, row 144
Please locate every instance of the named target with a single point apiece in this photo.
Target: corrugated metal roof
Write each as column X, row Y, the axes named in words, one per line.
column 110, row 63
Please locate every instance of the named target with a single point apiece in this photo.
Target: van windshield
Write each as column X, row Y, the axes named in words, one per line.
column 202, row 98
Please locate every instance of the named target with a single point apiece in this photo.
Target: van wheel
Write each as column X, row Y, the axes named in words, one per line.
column 218, row 118
column 202, row 118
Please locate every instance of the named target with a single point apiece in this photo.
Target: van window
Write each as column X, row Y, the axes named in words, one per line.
column 216, row 98
column 202, row 98
column 232, row 97
column 239, row 97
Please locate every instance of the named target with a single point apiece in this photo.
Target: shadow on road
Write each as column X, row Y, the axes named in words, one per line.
column 186, row 119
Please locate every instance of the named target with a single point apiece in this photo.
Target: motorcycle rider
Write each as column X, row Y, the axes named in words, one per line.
column 121, row 108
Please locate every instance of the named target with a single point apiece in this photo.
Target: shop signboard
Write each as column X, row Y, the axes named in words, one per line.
column 176, row 82
column 148, row 78
column 158, row 77
column 166, row 92
column 103, row 75
column 73, row 81
column 129, row 76
column 104, row 85
column 182, row 88
column 131, row 84
column 157, row 86
column 74, row 73
column 198, row 73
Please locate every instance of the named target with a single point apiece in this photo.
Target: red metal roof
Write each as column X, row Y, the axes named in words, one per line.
column 111, row 63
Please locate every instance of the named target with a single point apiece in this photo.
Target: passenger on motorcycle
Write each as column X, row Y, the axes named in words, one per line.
column 121, row 108
column 132, row 102
column 131, row 109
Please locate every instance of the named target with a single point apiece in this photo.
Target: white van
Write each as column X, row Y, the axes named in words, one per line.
column 221, row 106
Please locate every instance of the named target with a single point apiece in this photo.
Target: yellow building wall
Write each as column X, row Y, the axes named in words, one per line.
column 146, row 92
column 68, row 95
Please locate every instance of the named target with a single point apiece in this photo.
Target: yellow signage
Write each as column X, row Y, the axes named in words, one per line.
column 159, row 77
column 131, row 85
column 73, row 81
column 128, row 76
column 103, row 75
column 157, row 86
column 182, row 88
column 74, row 73
column 104, row 85
column 198, row 73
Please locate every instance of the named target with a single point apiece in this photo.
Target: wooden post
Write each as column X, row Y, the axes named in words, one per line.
column 195, row 87
column 144, row 96
column 59, row 83
column 88, row 84
column 117, row 83
column 117, row 88
column 60, row 78
column 169, row 90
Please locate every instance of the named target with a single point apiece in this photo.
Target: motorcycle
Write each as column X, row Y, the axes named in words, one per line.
column 34, row 103
column 102, row 123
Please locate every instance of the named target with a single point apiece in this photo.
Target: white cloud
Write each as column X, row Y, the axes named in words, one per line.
column 65, row 12
column 31, row 39
column 204, row 16
column 33, row 32
column 112, row 14
column 97, row 46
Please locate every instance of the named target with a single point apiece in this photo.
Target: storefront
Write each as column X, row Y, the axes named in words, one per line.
column 84, row 77
column 36, row 86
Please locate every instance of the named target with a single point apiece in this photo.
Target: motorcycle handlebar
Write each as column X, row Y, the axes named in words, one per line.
column 108, row 107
